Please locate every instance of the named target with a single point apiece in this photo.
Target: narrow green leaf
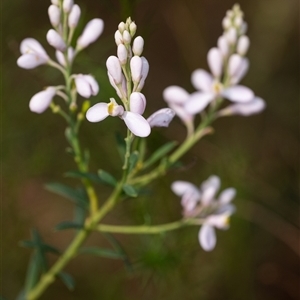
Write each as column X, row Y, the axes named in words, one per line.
column 121, row 145
column 133, row 159
column 82, row 175
column 67, row 279
column 159, row 153
column 107, row 178
column 69, row 135
column 108, row 253
column 68, row 192
column 79, row 215
column 27, row 244
column 33, row 271
column 129, row 190
column 68, row 225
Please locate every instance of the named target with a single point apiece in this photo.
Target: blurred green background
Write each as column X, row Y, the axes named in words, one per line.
column 258, row 258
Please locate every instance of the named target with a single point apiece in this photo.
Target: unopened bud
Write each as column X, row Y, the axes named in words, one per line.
column 226, row 23
column 54, row 15
column 55, row 40
column 121, row 27
column 223, row 45
column 118, row 38
column 74, row 16
column 231, row 35
column 126, row 37
column 243, row 45
column 136, row 65
column 67, row 5
column 137, row 103
column 114, row 69
column 234, row 64
column 122, row 54
column 138, row 46
column 132, row 29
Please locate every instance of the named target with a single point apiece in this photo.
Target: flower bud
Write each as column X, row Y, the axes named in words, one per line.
column 118, row 38
column 61, row 58
column 41, row 101
column 74, row 16
column 54, row 15
column 67, row 5
column 114, row 69
column 137, row 103
column 234, row 64
column 238, row 21
column 223, row 45
column 55, row 40
column 231, row 35
column 86, row 85
column 226, row 23
column 122, row 54
column 161, row 118
column 132, row 29
column 243, row 45
column 126, row 37
column 121, row 27
column 138, row 46
column 215, row 61
column 55, row 2
column 91, row 32
column 145, row 71
column 136, row 65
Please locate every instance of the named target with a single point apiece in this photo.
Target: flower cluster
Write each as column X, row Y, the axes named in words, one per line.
column 127, row 73
column 201, row 204
column 64, row 17
column 228, row 65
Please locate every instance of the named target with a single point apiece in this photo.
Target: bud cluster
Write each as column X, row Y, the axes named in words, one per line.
column 127, row 73
column 64, row 16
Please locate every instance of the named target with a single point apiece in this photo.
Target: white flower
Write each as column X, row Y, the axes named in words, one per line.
column 161, row 118
column 137, row 103
column 138, row 46
column 67, row 5
column 202, row 203
column 134, row 121
column 55, row 40
column 86, row 85
column 33, row 54
column 41, row 101
column 61, row 58
column 91, row 32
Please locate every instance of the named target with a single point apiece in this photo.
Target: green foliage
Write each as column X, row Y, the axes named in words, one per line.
column 107, row 178
column 129, row 190
column 67, row 279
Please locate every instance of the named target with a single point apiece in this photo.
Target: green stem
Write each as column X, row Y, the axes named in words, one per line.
column 147, row 229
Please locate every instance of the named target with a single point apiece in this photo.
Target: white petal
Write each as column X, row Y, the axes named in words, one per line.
column 227, row 195
column 182, row 113
column 67, row 5
column 60, row 58
column 136, row 124
column 161, row 118
column 226, row 209
column 91, row 32
column 197, row 102
column 202, row 80
column 241, row 72
column 93, row 84
column 30, row 61
column 114, row 69
column 126, row 37
column 136, row 65
column 238, row 93
column 145, row 71
column 41, row 101
column 231, row 35
column 30, row 45
column 55, row 40
column 219, row 221
column 252, row 107
column 209, row 189
column 97, row 113
column 175, row 94
column 234, row 64
column 215, row 61
column 137, row 103
column 122, row 54
column 207, row 237
column 82, row 86
column 181, row 187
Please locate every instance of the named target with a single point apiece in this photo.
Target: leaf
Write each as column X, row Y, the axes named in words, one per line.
column 107, row 178
column 159, row 153
column 133, row 159
column 33, row 271
column 79, row 215
column 69, row 135
column 68, row 192
column 121, row 145
column 129, row 190
column 67, row 279
column 68, row 225
column 108, row 253
column 82, row 175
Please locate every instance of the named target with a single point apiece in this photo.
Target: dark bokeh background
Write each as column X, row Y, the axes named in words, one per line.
column 258, row 258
